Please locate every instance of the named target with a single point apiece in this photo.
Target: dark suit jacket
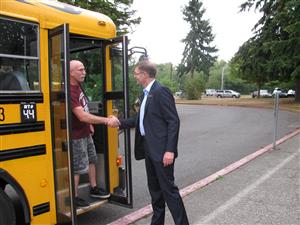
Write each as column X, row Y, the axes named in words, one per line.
column 161, row 123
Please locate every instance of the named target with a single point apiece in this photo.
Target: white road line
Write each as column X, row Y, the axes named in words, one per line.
column 234, row 200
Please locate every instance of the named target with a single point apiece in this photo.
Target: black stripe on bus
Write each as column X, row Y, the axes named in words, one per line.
column 41, row 208
column 15, row 128
column 18, row 153
column 12, row 98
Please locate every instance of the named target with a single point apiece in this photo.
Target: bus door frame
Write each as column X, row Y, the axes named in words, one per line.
column 63, row 30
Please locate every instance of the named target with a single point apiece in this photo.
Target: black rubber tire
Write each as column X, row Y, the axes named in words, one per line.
column 7, row 211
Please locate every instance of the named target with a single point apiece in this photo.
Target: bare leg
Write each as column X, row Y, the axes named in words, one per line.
column 92, row 174
column 76, row 183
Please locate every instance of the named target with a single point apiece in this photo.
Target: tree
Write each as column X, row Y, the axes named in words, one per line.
column 197, row 54
column 166, row 77
column 194, row 86
column 231, row 78
column 215, row 75
column 279, row 32
column 251, row 62
column 118, row 10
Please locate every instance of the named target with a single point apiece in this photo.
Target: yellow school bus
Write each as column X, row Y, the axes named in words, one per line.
column 37, row 41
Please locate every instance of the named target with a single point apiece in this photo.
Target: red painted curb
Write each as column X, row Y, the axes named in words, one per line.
column 147, row 210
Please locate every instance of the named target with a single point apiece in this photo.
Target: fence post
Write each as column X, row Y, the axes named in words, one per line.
column 276, row 106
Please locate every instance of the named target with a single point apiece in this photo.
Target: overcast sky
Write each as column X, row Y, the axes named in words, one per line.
column 162, row 27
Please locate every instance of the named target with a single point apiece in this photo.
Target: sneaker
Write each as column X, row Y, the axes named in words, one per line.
column 98, row 193
column 81, row 203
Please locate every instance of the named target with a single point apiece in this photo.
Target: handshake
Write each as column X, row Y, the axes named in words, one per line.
column 113, row 121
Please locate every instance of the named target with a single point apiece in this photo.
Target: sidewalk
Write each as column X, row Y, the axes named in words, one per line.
column 263, row 191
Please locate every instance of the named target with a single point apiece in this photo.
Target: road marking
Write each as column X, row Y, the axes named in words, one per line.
column 147, row 210
column 235, row 199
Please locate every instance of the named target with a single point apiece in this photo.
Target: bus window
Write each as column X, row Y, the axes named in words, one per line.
column 90, row 54
column 19, row 60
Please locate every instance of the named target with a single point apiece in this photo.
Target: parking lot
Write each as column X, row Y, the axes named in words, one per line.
column 211, row 137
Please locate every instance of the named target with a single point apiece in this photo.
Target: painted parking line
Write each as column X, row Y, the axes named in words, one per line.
column 147, row 210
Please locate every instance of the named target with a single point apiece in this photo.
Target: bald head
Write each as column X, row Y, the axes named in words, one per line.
column 77, row 72
column 74, row 64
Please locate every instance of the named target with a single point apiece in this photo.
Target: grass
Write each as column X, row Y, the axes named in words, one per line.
column 287, row 104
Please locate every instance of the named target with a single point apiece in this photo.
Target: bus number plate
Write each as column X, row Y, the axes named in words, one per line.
column 28, row 112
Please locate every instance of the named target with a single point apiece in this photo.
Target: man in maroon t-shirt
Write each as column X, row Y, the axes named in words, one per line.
column 84, row 153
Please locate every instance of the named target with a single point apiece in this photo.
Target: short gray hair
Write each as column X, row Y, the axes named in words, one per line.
column 147, row 67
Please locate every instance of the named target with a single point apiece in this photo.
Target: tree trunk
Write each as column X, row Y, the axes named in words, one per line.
column 192, row 73
column 297, row 97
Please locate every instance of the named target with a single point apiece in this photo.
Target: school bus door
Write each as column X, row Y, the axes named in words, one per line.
column 117, row 94
column 60, row 121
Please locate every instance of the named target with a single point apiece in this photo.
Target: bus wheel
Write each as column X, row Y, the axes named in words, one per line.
column 7, row 212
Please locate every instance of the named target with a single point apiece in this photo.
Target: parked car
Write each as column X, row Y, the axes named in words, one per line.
column 291, row 93
column 262, row 93
column 210, row 92
column 282, row 93
column 227, row 94
column 178, row 94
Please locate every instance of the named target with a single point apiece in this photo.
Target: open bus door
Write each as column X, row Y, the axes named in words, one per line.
column 61, row 127
column 106, row 86
column 118, row 54
column 106, row 62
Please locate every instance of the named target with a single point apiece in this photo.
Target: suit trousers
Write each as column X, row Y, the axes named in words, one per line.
column 163, row 190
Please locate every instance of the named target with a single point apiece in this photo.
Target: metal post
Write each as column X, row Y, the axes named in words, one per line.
column 222, row 78
column 276, row 105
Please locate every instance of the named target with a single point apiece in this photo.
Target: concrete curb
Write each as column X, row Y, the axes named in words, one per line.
column 147, row 210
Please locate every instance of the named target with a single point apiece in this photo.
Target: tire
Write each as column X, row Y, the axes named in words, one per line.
column 7, row 211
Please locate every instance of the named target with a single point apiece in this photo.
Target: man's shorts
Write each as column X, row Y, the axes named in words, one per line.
column 83, row 153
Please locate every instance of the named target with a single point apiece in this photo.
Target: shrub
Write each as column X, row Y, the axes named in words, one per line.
column 194, row 86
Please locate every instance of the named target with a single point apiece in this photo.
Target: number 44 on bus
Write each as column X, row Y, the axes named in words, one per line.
column 37, row 41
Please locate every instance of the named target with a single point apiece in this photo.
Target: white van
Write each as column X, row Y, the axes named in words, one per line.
column 210, row 92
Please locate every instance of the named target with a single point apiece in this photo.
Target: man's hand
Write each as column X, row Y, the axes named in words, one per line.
column 113, row 121
column 168, row 158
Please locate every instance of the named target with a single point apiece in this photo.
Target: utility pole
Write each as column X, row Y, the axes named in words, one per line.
column 222, row 78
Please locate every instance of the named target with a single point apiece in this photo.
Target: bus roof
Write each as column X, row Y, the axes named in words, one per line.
column 52, row 13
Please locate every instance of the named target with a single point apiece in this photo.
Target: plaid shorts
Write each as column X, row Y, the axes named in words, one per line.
column 84, row 152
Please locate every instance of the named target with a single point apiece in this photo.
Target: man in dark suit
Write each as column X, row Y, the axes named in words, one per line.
column 157, row 127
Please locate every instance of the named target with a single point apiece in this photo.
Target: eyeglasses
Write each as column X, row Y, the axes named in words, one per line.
column 136, row 74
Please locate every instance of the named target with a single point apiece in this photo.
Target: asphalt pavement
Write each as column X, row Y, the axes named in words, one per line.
column 211, row 138
column 262, row 188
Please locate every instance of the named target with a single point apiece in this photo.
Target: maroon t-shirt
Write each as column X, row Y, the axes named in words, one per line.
column 79, row 129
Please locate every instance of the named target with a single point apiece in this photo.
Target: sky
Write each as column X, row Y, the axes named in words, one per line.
column 162, row 27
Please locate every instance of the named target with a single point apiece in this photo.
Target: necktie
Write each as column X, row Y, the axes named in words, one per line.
column 142, row 113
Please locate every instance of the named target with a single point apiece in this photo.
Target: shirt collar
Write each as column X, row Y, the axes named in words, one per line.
column 148, row 88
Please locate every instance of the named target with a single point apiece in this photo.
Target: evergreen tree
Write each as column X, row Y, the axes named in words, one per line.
column 279, row 32
column 251, row 61
column 118, row 10
column 198, row 52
